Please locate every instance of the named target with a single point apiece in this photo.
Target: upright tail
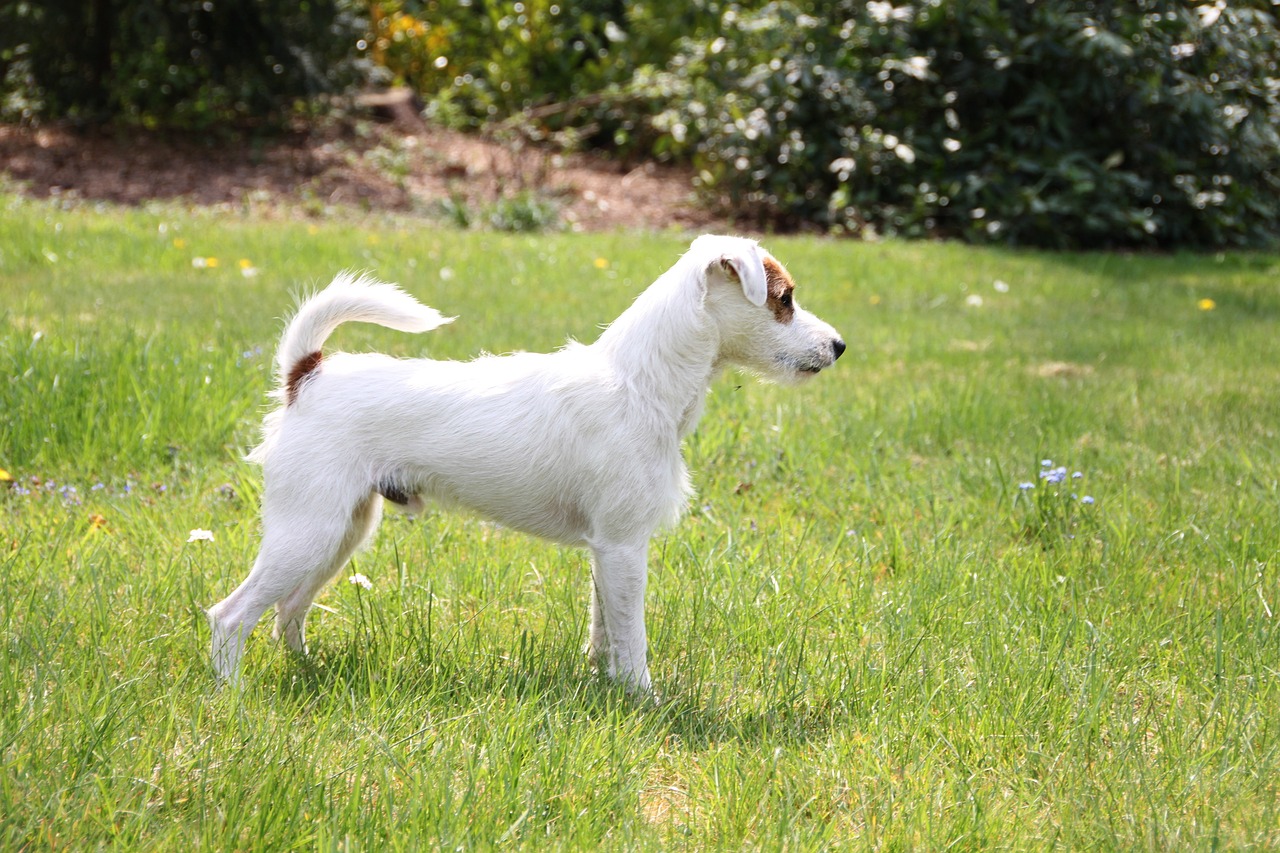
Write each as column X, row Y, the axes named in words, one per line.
column 347, row 299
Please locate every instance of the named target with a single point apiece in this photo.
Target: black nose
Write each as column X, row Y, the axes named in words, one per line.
column 838, row 346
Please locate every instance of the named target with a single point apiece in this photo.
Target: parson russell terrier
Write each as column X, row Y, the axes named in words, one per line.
column 580, row 446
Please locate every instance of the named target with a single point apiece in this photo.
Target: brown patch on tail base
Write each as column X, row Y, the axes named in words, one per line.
column 304, row 367
column 780, row 287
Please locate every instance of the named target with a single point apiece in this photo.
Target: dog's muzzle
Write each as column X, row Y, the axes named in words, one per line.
column 837, row 350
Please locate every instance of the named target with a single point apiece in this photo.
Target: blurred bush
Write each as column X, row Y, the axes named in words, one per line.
column 560, row 63
column 1053, row 124
column 190, row 64
column 1081, row 124
column 1066, row 125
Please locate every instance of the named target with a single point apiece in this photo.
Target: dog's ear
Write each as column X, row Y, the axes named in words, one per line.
column 750, row 274
column 740, row 260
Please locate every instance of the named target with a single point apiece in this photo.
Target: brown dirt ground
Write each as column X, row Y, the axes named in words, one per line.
column 363, row 167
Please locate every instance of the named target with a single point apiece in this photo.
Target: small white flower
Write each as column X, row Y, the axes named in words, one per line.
column 973, row 300
column 880, row 11
column 360, row 580
column 843, row 167
column 200, row 535
column 1000, row 286
column 917, row 67
column 613, row 32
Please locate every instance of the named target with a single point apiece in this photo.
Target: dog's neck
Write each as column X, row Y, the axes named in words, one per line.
column 667, row 348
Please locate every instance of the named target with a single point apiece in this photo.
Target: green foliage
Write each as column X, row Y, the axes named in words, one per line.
column 1067, row 125
column 1026, row 123
column 498, row 58
column 187, row 64
column 523, row 212
column 479, row 61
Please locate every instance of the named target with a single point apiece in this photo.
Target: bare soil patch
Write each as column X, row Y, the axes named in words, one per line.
column 395, row 168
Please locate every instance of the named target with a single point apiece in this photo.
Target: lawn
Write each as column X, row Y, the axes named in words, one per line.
column 1005, row 577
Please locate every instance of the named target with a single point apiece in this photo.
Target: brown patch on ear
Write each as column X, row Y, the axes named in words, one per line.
column 304, row 367
column 729, row 269
column 780, row 287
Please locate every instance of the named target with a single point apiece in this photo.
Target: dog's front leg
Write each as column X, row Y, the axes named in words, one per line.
column 618, row 644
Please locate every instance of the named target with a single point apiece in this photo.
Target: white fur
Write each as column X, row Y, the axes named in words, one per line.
column 581, row 446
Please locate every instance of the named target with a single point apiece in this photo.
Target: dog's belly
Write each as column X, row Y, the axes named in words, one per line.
column 560, row 521
column 565, row 453
column 571, row 510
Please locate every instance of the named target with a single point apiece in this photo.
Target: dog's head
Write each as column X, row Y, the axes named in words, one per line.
column 750, row 297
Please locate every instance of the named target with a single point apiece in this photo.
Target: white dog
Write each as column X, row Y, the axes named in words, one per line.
column 580, row 446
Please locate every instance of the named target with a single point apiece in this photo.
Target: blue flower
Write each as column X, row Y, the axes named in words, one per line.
column 1077, row 475
column 1087, row 499
column 1026, row 486
column 1054, row 475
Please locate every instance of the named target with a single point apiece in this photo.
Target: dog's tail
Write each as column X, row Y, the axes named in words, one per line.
column 348, row 298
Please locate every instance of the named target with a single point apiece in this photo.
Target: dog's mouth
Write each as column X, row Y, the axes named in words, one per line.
column 811, row 367
column 804, row 372
column 797, row 369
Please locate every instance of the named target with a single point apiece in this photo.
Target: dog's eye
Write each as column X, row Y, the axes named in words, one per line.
column 785, row 300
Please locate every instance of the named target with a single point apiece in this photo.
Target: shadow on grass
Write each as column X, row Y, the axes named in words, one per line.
column 551, row 675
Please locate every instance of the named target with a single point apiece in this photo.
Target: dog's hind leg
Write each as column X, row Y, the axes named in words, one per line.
column 597, row 639
column 299, row 549
column 291, row 612
column 618, row 644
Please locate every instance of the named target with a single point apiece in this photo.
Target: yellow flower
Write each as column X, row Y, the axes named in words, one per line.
column 602, row 263
column 1206, row 304
column 313, row 230
column 211, row 263
column 179, row 243
column 96, row 521
column 874, row 300
column 245, row 264
column 5, row 476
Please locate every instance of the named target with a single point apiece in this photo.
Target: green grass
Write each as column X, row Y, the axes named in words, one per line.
column 865, row 633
